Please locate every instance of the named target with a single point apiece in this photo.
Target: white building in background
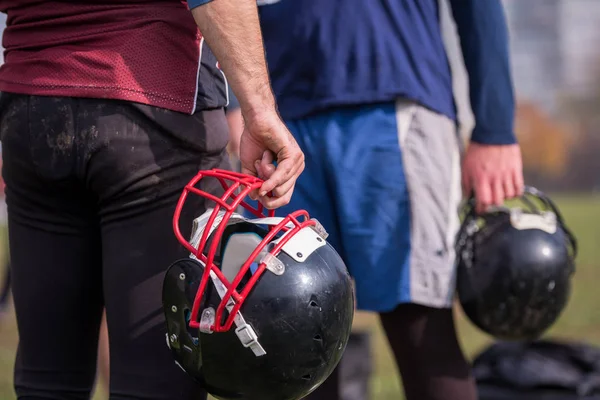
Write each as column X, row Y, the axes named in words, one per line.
column 536, row 59
column 580, row 44
column 554, row 48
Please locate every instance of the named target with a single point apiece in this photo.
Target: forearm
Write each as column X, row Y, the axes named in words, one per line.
column 484, row 41
column 231, row 29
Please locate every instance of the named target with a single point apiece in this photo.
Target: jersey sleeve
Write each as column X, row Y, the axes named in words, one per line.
column 483, row 33
column 195, row 3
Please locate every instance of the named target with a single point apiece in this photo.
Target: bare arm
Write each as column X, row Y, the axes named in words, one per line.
column 492, row 166
column 232, row 31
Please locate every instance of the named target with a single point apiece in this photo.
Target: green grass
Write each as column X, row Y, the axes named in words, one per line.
column 581, row 320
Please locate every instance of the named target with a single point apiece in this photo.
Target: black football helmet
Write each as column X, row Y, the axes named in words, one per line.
column 514, row 266
column 263, row 308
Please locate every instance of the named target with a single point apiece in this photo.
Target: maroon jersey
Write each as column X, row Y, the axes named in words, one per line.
column 149, row 52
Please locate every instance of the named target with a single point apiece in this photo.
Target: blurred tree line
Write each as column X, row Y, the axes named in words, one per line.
column 562, row 152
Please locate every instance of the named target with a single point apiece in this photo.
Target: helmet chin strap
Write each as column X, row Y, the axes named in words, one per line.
column 244, row 331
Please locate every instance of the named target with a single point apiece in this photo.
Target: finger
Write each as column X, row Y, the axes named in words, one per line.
column 257, row 168
column 497, row 192
column 289, row 168
column 282, row 174
column 285, row 187
column 262, row 170
column 266, row 166
column 509, row 187
column 483, row 194
column 254, row 193
column 517, row 178
column 276, row 202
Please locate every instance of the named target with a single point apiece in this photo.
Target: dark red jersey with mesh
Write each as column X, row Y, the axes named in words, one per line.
column 149, row 52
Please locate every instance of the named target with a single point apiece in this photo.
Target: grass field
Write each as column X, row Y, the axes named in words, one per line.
column 581, row 320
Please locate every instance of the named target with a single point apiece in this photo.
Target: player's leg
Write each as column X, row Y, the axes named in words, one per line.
column 422, row 334
column 55, row 250
column 145, row 157
column 428, row 354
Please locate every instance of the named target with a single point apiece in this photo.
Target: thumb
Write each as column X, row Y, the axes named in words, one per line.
column 265, row 167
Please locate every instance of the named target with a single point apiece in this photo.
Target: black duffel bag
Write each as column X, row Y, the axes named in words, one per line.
column 540, row 370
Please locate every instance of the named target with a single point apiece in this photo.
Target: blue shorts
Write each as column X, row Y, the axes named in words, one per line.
column 384, row 180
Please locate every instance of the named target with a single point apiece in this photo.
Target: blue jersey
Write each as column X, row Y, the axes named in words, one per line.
column 331, row 53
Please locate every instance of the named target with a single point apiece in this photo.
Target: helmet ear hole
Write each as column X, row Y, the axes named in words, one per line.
column 313, row 301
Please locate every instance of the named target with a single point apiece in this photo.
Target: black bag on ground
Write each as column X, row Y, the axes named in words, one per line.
column 356, row 367
column 540, row 370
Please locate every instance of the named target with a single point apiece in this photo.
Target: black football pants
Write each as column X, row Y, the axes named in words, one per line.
column 91, row 189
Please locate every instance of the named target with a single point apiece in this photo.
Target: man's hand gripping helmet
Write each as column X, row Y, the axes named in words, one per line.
column 263, row 308
column 515, row 266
